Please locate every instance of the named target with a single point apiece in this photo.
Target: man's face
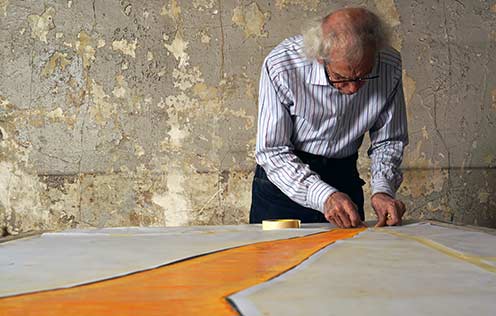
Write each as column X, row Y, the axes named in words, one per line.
column 342, row 70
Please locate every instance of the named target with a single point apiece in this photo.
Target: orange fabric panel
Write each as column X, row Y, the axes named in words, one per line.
column 196, row 286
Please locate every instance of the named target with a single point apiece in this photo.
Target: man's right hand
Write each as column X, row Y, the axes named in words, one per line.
column 340, row 210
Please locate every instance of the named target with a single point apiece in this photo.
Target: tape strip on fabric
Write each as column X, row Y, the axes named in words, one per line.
column 280, row 224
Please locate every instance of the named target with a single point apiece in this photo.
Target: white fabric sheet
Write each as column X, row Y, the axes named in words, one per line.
column 377, row 273
column 57, row 260
column 464, row 241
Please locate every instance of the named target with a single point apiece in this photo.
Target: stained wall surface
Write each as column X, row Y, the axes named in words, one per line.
column 120, row 113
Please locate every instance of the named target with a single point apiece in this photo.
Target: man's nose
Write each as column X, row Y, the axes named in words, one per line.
column 354, row 86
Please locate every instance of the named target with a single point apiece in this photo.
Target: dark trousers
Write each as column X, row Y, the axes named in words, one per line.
column 268, row 202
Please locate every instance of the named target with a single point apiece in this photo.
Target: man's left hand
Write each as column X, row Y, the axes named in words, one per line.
column 389, row 211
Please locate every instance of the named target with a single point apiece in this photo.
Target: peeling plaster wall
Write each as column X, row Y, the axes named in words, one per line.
column 118, row 113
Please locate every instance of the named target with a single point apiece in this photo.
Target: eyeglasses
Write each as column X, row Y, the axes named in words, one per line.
column 348, row 80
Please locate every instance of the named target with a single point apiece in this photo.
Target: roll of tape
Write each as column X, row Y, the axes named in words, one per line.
column 280, row 224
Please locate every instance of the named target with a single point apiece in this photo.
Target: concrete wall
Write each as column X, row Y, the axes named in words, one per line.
column 123, row 112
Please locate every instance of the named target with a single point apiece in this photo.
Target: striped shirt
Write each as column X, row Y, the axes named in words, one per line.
column 300, row 110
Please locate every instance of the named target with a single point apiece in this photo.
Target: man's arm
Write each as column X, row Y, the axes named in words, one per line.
column 274, row 149
column 388, row 137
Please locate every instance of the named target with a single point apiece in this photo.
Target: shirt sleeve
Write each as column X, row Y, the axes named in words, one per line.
column 388, row 138
column 274, row 149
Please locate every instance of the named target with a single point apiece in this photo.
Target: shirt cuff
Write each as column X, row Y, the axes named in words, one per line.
column 317, row 195
column 382, row 186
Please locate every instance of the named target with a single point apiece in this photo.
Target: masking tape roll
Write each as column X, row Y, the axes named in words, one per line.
column 280, row 224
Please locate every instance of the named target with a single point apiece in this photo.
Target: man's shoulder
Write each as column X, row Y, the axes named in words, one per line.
column 390, row 56
column 288, row 55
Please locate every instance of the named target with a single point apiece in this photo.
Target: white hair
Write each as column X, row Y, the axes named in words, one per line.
column 368, row 33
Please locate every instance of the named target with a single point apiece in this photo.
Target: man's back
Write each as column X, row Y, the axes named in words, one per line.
column 325, row 121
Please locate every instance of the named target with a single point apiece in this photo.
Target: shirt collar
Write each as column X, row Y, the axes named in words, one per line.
column 317, row 75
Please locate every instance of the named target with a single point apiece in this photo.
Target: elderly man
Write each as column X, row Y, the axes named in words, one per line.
column 319, row 94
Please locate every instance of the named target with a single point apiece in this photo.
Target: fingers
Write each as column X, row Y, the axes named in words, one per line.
column 381, row 219
column 338, row 221
column 389, row 211
column 330, row 219
column 362, row 225
column 344, row 219
column 396, row 211
column 333, row 219
column 348, row 214
column 402, row 210
column 392, row 215
column 351, row 211
column 341, row 211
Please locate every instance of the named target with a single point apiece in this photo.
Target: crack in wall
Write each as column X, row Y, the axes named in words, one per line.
column 53, row 157
column 484, row 77
column 222, row 49
column 438, row 132
column 94, row 15
column 84, row 111
column 31, row 64
column 221, row 76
